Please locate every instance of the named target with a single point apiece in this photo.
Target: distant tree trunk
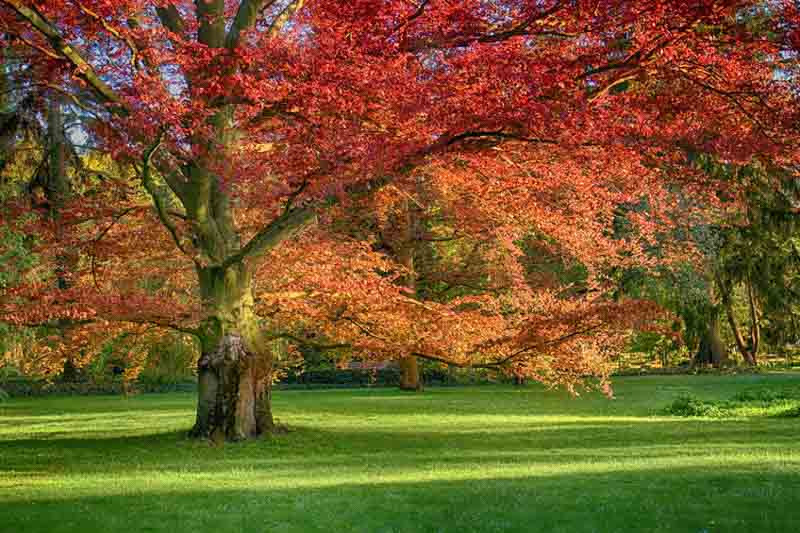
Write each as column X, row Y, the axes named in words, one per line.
column 57, row 190
column 711, row 350
column 409, row 366
column 8, row 119
column 755, row 322
column 748, row 350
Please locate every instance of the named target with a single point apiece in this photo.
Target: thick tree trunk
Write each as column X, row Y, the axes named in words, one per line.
column 711, row 350
column 409, row 374
column 235, row 367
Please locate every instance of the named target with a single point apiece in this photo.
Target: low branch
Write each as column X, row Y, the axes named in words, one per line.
column 162, row 323
column 158, row 201
column 305, row 342
column 280, row 229
column 83, row 69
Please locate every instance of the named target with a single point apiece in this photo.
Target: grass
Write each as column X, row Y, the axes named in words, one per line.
column 477, row 459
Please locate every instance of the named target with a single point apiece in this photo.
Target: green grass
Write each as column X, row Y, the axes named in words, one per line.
column 478, row 459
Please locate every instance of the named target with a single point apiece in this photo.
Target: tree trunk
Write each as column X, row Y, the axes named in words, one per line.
column 409, row 374
column 712, row 350
column 57, row 191
column 755, row 322
column 747, row 351
column 409, row 366
column 235, row 366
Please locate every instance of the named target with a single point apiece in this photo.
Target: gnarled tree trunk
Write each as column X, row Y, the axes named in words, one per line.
column 235, row 366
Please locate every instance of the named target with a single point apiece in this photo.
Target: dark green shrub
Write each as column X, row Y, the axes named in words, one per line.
column 766, row 395
column 688, row 405
column 793, row 412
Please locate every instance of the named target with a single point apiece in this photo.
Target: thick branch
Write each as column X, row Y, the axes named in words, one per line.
column 161, row 209
column 211, row 16
column 245, row 19
column 305, row 342
column 82, row 68
column 273, row 234
column 288, row 12
column 171, row 18
column 414, row 16
column 491, row 35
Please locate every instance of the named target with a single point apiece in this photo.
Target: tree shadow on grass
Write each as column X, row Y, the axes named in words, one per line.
column 747, row 498
column 309, row 448
column 56, row 405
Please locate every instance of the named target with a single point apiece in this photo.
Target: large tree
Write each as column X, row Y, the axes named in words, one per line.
column 244, row 121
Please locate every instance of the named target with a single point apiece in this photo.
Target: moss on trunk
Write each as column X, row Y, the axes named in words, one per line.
column 235, row 366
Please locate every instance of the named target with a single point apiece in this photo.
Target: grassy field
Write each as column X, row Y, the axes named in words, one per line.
column 478, row 459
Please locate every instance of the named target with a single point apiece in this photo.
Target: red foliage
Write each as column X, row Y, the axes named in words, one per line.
column 527, row 117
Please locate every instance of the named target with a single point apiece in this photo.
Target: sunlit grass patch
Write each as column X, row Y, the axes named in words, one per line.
column 457, row 459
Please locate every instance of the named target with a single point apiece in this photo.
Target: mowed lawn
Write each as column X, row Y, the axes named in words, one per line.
column 453, row 459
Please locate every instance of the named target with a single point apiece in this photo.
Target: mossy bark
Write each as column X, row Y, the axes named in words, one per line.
column 235, row 366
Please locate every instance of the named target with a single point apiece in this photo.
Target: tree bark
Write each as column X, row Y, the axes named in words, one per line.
column 711, row 350
column 748, row 351
column 235, row 366
column 57, row 192
column 409, row 374
column 409, row 366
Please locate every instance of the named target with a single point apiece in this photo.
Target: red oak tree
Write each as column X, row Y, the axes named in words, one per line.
column 248, row 125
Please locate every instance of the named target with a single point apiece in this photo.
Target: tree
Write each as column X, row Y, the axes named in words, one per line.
column 244, row 121
column 758, row 254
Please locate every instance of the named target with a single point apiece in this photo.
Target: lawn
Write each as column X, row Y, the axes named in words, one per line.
column 452, row 459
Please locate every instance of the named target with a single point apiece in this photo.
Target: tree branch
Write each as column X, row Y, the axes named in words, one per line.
column 155, row 194
column 113, row 31
column 289, row 223
column 304, row 342
column 280, row 21
column 82, row 68
column 171, row 18
column 245, row 19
